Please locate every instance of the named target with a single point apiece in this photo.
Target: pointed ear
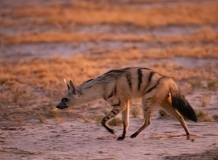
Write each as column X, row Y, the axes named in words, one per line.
column 72, row 87
column 68, row 87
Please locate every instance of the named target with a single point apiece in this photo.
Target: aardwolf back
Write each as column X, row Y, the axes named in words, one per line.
column 118, row 87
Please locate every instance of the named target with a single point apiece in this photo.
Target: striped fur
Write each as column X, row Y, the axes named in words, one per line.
column 118, row 87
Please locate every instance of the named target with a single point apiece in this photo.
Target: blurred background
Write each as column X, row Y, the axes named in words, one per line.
column 43, row 42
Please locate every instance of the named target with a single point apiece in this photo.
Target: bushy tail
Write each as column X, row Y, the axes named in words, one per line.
column 182, row 105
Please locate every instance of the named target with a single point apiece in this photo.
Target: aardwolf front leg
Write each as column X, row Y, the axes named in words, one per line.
column 117, row 109
column 125, row 119
column 147, row 116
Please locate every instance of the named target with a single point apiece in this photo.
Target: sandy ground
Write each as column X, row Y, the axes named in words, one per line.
column 74, row 139
column 180, row 40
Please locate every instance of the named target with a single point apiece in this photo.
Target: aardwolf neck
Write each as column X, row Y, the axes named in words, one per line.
column 89, row 92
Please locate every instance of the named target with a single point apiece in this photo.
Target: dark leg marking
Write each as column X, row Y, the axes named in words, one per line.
column 123, row 135
column 128, row 77
column 139, row 72
column 103, row 123
column 112, row 114
column 115, row 112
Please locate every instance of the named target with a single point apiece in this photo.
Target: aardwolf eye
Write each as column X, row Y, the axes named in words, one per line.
column 65, row 99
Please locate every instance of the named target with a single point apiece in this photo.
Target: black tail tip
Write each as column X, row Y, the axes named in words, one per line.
column 192, row 115
column 194, row 118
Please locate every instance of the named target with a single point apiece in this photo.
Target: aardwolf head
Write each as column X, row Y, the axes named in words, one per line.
column 69, row 97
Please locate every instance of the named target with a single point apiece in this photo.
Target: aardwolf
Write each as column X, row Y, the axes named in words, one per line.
column 119, row 86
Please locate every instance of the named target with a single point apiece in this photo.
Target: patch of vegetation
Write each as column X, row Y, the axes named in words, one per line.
column 196, row 83
column 45, row 112
column 136, row 111
column 20, row 96
column 205, row 100
column 212, row 85
column 215, row 156
column 211, row 154
column 215, row 117
column 203, row 116
column 116, row 121
column 92, row 118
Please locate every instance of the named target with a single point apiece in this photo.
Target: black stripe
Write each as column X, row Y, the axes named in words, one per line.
column 154, row 85
column 128, row 77
column 145, row 68
column 115, row 113
column 105, row 119
column 117, row 104
column 110, row 95
column 87, row 81
column 139, row 71
column 150, row 77
column 118, row 70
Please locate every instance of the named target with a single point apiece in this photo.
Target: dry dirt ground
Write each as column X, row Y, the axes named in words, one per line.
column 43, row 42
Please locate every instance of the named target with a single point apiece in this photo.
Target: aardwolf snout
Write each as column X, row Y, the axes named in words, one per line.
column 62, row 105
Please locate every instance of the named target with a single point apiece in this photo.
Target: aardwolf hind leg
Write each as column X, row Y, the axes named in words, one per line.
column 125, row 119
column 147, row 117
column 173, row 112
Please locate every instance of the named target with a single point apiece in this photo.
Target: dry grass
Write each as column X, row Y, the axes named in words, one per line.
column 203, row 116
column 205, row 100
column 212, row 84
column 92, row 118
column 206, row 155
column 215, row 117
column 116, row 121
column 136, row 110
column 24, row 81
column 203, row 36
column 88, row 13
column 38, row 83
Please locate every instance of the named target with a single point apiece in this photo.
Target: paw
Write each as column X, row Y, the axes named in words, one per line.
column 110, row 130
column 134, row 135
column 191, row 137
column 120, row 138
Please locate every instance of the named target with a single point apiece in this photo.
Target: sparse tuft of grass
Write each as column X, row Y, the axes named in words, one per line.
column 44, row 112
column 7, row 78
column 215, row 156
column 136, row 111
column 203, row 116
column 92, row 118
column 116, row 121
column 215, row 117
column 20, row 96
column 205, row 100
column 196, row 83
column 212, row 85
